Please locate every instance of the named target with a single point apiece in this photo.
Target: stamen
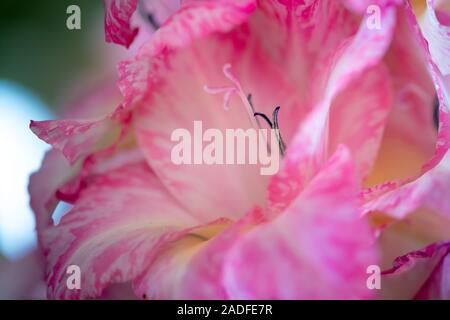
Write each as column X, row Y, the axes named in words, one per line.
column 249, row 99
column 227, row 91
column 259, row 114
column 234, row 89
column 274, row 125
column 281, row 143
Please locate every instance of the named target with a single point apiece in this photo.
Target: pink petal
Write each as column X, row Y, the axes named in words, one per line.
column 419, row 274
column 58, row 180
column 177, row 97
column 176, row 272
column 266, row 71
column 54, row 172
column 281, row 259
column 76, row 138
column 437, row 35
column 420, row 228
column 162, row 10
column 131, row 23
column 84, row 149
column 22, row 279
column 403, row 126
column 194, row 269
column 358, row 117
column 403, row 152
column 438, row 285
column 309, row 148
column 205, row 272
column 194, row 20
column 436, row 31
column 199, row 18
column 108, row 245
column 118, row 27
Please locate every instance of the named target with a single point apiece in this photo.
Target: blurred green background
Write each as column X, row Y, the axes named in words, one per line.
column 37, row 50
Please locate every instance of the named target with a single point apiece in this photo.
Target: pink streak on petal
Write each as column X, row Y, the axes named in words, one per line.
column 442, row 84
column 226, row 91
column 108, row 245
column 204, row 275
column 175, row 273
column 118, row 27
column 280, row 260
column 54, row 172
column 196, row 19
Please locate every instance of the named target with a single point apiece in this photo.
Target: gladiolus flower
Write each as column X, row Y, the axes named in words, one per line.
column 364, row 179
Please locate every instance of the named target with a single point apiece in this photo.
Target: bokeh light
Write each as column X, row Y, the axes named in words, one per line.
column 21, row 154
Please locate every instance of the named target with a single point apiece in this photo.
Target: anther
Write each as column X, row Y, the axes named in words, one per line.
column 436, row 112
column 275, row 126
column 281, row 143
column 151, row 19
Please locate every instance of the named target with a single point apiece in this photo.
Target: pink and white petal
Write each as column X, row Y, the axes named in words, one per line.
column 438, row 284
column 23, row 279
column 162, row 10
column 55, row 171
column 138, row 75
column 118, row 27
column 309, row 148
column 124, row 19
column 92, row 101
column 358, row 116
column 281, row 260
column 193, row 268
column 118, row 291
column 138, row 27
column 194, row 19
column 178, row 98
column 403, row 152
column 179, row 271
column 197, row 19
column 252, row 60
column 419, row 274
column 77, row 138
column 436, row 30
column 93, row 122
column 420, row 228
column 58, row 180
column 299, row 35
column 431, row 190
column 108, row 245
column 205, row 279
